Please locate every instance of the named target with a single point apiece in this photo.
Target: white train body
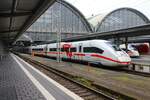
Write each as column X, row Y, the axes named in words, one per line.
column 132, row 51
column 96, row 51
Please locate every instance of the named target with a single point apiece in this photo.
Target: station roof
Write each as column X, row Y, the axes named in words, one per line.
column 130, row 32
column 120, row 18
column 96, row 20
column 140, row 39
column 17, row 15
column 24, row 37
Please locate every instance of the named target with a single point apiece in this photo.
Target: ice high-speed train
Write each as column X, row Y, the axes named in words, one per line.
column 131, row 50
column 96, row 51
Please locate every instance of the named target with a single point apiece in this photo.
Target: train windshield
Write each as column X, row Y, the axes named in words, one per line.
column 113, row 46
column 132, row 47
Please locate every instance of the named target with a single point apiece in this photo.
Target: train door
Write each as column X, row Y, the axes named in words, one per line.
column 80, row 48
column 66, row 49
column 80, row 51
column 46, row 49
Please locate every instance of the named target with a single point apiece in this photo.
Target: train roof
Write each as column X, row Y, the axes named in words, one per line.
column 86, row 41
column 95, row 40
column 39, row 46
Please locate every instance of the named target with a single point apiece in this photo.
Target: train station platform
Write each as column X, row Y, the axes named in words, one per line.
column 143, row 59
column 128, row 84
column 21, row 81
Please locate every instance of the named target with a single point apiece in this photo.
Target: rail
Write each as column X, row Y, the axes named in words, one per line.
column 99, row 90
column 140, row 67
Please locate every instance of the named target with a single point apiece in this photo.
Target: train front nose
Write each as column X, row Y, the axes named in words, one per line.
column 123, row 58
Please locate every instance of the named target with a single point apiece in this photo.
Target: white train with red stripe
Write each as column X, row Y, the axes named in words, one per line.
column 96, row 51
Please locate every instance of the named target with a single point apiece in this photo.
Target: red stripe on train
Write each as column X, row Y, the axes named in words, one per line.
column 79, row 54
column 110, row 59
column 93, row 55
column 54, row 52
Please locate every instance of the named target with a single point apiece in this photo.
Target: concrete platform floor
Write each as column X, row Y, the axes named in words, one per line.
column 21, row 81
column 143, row 59
column 132, row 85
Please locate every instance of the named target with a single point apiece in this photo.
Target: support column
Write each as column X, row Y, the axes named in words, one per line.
column 118, row 41
column 58, row 47
column 2, row 50
column 149, row 49
column 126, row 43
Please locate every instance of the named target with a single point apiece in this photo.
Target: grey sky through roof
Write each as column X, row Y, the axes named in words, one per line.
column 89, row 7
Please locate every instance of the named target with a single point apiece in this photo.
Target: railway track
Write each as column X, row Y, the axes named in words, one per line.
column 83, row 91
column 135, row 72
column 124, row 70
column 86, row 92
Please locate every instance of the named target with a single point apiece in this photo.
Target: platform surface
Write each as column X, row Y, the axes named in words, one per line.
column 143, row 59
column 19, row 81
column 128, row 84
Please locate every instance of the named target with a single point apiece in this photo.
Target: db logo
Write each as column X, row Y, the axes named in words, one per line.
column 69, row 54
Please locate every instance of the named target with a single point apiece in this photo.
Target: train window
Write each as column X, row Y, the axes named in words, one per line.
column 87, row 49
column 73, row 50
column 37, row 49
column 52, row 49
column 115, row 47
column 124, row 49
column 132, row 47
column 62, row 49
column 92, row 50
